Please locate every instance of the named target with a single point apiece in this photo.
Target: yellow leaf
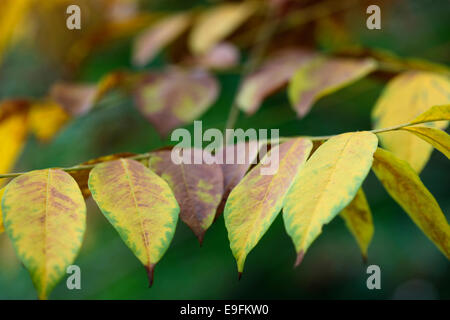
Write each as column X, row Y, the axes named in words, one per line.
column 12, row 14
column 404, row 98
column 13, row 132
column 82, row 176
column 358, row 218
column 2, row 228
column 45, row 217
column 217, row 23
column 140, row 206
column 436, row 137
column 435, row 113
column 256, row 201
column 46, row 119
column 328, row 182
column 406, row 188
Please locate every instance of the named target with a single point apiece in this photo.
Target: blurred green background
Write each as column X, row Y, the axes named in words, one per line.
column 411, row 266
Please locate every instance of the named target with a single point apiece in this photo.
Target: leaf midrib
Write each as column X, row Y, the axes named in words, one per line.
column 146, row 242
column 317, row 203
column 264, row 200
column 45, row 271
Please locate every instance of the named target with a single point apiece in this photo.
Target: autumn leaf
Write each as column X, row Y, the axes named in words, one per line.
column 240, row 157
column 256, row 201
column 79, row 99
column 76, row 99
column 45, row 218
column 405, row 187
column 13, row 132
column 405, row 97
column 328, row 182
column 172, row 98
column 198, row 187
column 217, row 23
column 222, row 56
column 358, row 219
column 139, row 205
column 323, row 76
column 46, row 119
column 271, row 76
column 157, row 36
column 435, row 113
column 82, row 176
column 436, row 137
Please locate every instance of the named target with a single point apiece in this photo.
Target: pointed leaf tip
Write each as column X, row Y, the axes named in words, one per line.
column 256, row 201
column 45, row 217
column 200, row 238
column 299, row 259
column 198, row 187
column 358, row 219
column 326, row 184
column 139, row 205
column 150, row 271
column 239, row 276
column 365, row 259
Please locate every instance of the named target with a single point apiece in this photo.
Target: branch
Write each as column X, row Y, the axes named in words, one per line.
column 147, row 155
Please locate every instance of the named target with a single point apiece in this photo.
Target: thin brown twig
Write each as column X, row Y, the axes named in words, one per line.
column 147, row 155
